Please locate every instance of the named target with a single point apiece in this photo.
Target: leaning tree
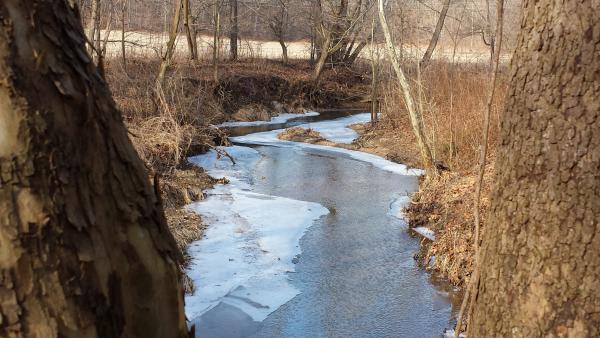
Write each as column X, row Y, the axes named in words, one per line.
column 540, row 263
column 84, row 247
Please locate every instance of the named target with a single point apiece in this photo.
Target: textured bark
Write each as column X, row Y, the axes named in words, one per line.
column 84, row 249
column 540, row 263
column 324, row 54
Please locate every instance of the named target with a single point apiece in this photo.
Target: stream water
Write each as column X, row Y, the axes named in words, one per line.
column 309, row 241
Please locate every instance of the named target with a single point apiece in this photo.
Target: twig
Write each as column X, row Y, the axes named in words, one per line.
column 474, row 282
column 221, row 152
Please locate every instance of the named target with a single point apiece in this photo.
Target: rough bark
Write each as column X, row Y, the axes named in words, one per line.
column 84, row 249
column 540, row 263
column 436, row 35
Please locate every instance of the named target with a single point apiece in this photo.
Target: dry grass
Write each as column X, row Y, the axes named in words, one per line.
column 454, row 100
column 299, row 134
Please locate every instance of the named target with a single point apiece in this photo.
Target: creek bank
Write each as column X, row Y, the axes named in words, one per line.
column 444, row 205
column 440, row 212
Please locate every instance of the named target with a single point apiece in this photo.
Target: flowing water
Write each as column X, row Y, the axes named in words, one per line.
column 347, row 269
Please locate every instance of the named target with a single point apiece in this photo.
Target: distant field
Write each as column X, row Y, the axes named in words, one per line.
column 143, row 44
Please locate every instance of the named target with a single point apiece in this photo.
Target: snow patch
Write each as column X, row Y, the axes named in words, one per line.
column 449, row 333
column 281, row 118
column 425, row 232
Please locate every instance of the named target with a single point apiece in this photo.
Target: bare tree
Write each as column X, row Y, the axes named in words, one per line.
column 216, row 39
column 94, row 35
column 123, row 12
column 436, row 34
column 188, row 31
column 233, row 30
column 415, row 115
column 85, row 249
column 279, row 26
column 337, row 33
column 168, row 54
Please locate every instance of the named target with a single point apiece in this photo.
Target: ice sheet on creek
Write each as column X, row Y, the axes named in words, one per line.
column 270, row 138
column 281, row 118
column 250, row 242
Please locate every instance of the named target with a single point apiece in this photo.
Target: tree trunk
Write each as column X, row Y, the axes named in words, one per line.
column 194, row 33
column 540, row 257
column 216, row 38
column 325, row 47
column 123, row 56
column 436, row 35
column 415, row 115
column 188, row 31
column 233, row 33
column 168, row 55
column 284, row 51
column 84, row 247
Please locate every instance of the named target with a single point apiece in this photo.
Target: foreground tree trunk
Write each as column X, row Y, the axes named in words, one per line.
column 84, row 249
column 540, row 263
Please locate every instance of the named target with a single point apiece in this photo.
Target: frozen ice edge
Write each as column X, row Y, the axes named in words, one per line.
column 281, row 118
column 248, row 248
column 245, row 256
column 269, row 138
